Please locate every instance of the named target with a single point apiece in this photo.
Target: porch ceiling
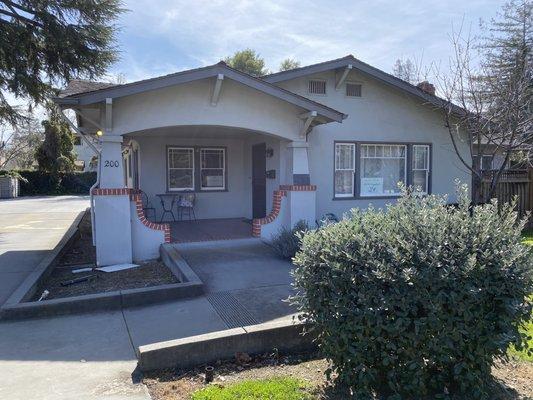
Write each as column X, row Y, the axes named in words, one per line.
column 198, row 131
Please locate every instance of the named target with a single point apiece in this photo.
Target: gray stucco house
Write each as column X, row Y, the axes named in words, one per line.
column 274, row 150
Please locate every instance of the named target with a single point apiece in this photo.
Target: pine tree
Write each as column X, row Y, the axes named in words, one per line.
column 55, row 154
column 46, row 43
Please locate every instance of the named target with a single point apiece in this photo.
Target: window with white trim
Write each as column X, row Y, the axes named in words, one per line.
column 353, row 89
column 383, row 166
column 180, row 168
column 486, row 162
column 421, row 168
column 212, row 168
column 317, row 86
column 344, row 169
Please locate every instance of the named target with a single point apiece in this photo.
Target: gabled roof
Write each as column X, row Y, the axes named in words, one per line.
column 78, row 86
column 365, row 68
column 95, row 93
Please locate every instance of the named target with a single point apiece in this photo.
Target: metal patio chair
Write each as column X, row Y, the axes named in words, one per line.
column 147, row 205
column 186, row 203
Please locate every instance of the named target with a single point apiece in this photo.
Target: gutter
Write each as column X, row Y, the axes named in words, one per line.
column 98, row 154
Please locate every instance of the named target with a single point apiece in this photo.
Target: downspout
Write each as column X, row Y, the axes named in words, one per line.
column 97, row 183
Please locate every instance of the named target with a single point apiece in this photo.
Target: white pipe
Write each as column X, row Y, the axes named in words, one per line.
column 98, row 154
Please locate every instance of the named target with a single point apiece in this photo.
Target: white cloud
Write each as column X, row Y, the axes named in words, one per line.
column 184, row 34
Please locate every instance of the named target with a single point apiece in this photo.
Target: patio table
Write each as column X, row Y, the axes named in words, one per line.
column 165, row 199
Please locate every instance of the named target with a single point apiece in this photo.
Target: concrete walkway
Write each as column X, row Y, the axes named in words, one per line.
column 93, row 356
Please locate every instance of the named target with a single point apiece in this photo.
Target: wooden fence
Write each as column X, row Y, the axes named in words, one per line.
column 513, row 183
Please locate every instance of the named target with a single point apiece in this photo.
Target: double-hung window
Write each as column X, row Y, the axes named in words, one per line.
column 421, row 168
column 196, row 168
column 383, row 166
column 212, row 169
column 344, row 169
column 367, row 170
column 180, row 168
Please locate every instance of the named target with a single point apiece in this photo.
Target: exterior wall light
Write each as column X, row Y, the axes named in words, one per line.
column 99, row 133
column 269, row 152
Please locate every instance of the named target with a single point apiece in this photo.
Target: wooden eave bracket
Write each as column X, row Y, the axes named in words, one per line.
column 308, row 117
column 342, row 78
column 216, row 90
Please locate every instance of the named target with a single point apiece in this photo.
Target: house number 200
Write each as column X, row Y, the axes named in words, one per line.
column 111, row 163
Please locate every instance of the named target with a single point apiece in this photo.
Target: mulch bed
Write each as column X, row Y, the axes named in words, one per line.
column 513, row 380
column 82, row 254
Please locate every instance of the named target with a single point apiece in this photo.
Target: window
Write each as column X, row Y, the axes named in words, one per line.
column 344, row 169
column 180, row 168
column 317, row 86
column 421, row 167
column 382, row 167
column 353, row 89
column 212, row 169
column 486, row 162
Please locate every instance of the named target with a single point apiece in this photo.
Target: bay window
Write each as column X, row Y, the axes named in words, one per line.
column 366, row 170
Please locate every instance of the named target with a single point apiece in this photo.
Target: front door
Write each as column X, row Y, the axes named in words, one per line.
column 259, row 180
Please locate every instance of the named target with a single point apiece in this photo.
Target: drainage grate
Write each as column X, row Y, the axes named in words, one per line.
column 230, row 310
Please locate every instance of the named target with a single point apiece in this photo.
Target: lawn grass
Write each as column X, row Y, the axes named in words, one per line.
column 527, row 237
column 522, row 355
column 271, row 389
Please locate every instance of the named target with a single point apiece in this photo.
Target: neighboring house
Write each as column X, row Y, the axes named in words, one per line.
column 85, row 156
column 293, row 145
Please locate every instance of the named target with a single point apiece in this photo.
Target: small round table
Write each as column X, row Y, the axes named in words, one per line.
column 165, row 199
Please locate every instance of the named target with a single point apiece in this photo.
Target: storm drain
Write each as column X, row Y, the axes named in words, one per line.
column 230, row 310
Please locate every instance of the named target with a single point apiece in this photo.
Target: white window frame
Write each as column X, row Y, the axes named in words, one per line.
column 491, row 160
column 317, row 80
column 361, row 158
column 171, row 189
column 335, row 169
column 223, row 187
column 428, row 166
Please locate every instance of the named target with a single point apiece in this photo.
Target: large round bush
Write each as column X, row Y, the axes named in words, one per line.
column 416, row 300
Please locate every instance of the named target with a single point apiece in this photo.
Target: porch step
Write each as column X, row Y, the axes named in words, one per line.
column 215, row 243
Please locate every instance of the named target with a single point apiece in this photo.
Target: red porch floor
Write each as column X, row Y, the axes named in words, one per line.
column 202, row 230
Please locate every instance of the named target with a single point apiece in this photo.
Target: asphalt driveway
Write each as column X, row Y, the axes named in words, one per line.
column 29, row 228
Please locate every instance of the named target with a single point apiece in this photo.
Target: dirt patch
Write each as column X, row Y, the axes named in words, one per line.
column 82, row 254
column 513, row 379
column 81, row 250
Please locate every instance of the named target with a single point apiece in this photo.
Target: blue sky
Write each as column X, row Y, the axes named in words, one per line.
column 164, row 36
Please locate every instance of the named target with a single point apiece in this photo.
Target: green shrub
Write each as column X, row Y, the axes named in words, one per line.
column 419, row 299
column 45, row 183
column 287, row 241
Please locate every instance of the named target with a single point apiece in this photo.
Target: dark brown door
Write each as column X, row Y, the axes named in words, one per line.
column 259, row 180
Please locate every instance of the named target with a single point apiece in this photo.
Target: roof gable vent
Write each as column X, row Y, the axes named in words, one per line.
column 317, row 86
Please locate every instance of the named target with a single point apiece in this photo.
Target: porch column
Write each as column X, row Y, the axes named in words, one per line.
column 299, row 163
column 301, row 193
column 112, row 206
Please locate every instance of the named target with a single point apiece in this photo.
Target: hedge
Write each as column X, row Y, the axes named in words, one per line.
column 43, row 183
column 418, row 300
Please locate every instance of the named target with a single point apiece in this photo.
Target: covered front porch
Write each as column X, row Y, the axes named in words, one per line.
column 205, row 173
